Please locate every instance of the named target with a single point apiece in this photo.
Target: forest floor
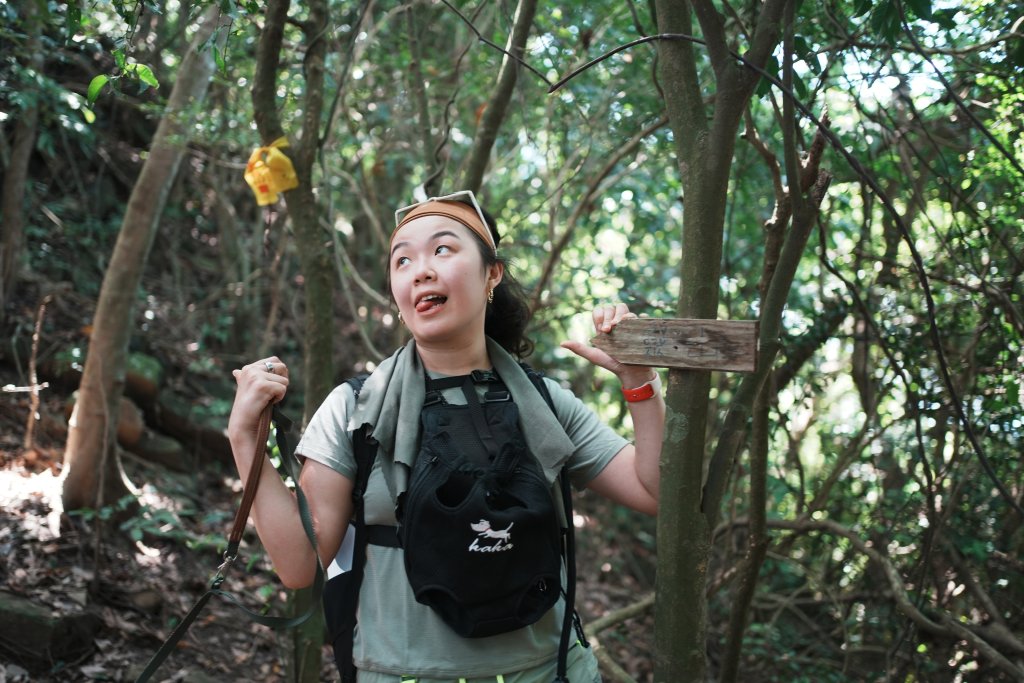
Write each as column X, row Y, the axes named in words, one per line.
column 137, row 579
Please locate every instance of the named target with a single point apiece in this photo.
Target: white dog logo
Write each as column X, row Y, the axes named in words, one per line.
column 502, row 537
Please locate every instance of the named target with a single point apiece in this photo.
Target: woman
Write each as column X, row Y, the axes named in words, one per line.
column 465, row 314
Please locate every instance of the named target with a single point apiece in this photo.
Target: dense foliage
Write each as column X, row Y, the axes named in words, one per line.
column 897, row 421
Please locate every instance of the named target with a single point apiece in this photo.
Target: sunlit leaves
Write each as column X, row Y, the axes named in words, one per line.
column 96, row 85
column 140, row 73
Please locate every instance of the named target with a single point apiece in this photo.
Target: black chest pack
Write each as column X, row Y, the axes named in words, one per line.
column 483, row 538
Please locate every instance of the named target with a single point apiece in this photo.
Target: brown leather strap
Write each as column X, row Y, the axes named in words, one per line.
column 251, row 483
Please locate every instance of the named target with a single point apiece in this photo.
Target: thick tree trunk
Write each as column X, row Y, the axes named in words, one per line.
column 316, row 262
column 318, row 268
column 12, row 217
column 90, row 459
column 704, row 148
column 683, row 538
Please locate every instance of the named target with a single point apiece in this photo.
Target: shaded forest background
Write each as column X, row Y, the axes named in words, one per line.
column 860, row 499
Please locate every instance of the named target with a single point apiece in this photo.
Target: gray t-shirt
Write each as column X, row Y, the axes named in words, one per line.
column 398, row 635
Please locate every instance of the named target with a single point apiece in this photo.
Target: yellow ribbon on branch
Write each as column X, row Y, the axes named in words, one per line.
column 269, row 172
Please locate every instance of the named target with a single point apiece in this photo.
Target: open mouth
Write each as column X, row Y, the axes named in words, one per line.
column 430, row 302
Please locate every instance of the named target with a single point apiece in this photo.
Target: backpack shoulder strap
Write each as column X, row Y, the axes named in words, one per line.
column 365, row 451
column 537, row 377
column 571, row 618
column 341, row 595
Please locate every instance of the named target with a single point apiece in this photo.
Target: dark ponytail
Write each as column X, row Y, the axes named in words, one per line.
column 509, row 313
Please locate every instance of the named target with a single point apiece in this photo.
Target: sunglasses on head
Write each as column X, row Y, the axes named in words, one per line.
column 452, row 197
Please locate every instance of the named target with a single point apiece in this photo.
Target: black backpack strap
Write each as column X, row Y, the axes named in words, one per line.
column 341, row 594
column 571, row 620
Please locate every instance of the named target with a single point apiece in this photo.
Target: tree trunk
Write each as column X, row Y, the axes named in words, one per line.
column 317, row 266
column 683, row 538
column 305, row 642
column 15, row 175
column 497, row 103
column 90, row 459
column 704, row 149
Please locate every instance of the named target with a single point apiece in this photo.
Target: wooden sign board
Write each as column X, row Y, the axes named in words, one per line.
column 729, row 345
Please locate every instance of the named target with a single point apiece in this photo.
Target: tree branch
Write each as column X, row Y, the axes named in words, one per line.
column 268, row 61
column 485, row 41
column 734, row 430
column 945, row 627
column 417, row 86
column 497, row 104
column 713, row 27
column 583, row 207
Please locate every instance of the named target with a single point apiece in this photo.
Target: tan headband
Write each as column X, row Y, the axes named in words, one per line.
column 457, row 211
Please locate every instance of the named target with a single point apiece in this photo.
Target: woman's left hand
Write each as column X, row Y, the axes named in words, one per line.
column 606, row 317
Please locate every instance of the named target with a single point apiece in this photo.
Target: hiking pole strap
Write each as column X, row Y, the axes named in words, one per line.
column 283, row 424
column 251, row 484
column 234, row 539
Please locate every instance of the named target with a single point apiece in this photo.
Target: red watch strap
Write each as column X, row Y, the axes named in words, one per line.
column 640, row 393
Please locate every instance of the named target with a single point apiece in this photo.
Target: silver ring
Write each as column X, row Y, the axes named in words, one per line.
column 270, row 366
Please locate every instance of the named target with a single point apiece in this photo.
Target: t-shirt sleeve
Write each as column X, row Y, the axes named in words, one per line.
column 326, row 439
column 596, row 443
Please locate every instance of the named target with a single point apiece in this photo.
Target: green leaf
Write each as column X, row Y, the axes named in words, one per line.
column 802, row 49
column 95, row 86
column 945, row 18
column 922, row 9
column 800, row 88
column 765, row 86
column 218, row 58
column 89, row 115
column 861, row 8
column 885, row 21
column 144, row 74
column 119, row 58
column 72, row 20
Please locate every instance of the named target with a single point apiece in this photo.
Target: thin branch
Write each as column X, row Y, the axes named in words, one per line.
column 620, row 615
column 497, row 103
column 956, row 98
column 500, row 49
column 33, row 380
column 340, row 255
column 417, row 87
column 583, row 204
column 342, row 75
column 946, row 626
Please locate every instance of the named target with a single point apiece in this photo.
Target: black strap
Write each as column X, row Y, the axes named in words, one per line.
column 476, row 411
column 570, row 618
column 281, row 424
column 569, row 548
column 383, row 535
column 365, row 452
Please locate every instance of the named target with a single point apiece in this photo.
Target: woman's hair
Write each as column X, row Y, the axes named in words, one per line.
column 509, row 313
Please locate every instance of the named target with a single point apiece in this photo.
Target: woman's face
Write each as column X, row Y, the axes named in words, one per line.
column 439, row 281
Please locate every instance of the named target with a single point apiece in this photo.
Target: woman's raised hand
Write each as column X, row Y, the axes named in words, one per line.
column 258, row 384
column 606, row 317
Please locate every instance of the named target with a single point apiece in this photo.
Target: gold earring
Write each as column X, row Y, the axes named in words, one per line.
column 490, row 296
